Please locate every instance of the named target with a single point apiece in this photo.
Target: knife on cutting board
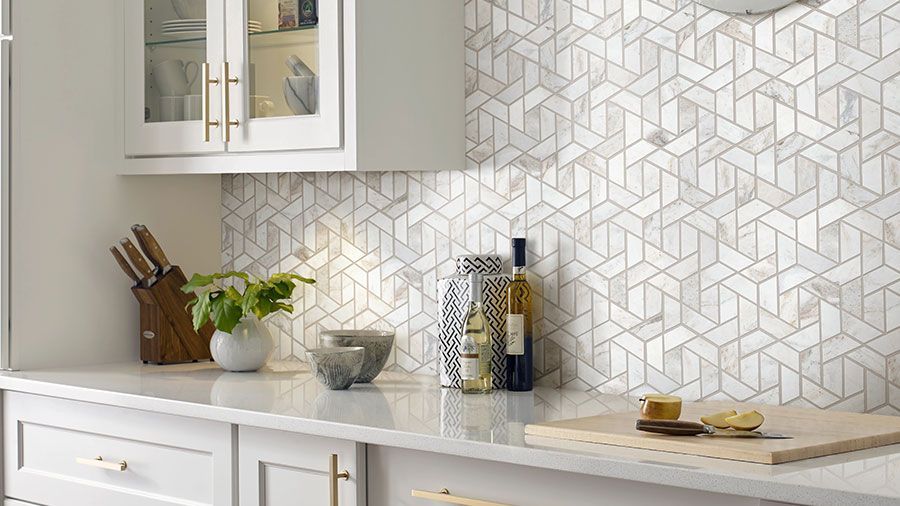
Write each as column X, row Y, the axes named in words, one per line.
column 150, row 246
column 143, row 268
column 126, row 267
column 683, row 428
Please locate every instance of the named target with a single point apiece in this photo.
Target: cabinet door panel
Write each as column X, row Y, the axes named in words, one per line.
column 288, row 90
column 166, row 44
column 59, row 451
column 284, row 469
column 394, row 473
column 280, row 483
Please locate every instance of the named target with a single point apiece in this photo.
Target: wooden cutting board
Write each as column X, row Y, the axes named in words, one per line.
column 816, row 433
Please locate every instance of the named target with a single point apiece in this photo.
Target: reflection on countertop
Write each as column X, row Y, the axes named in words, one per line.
column 413, row 411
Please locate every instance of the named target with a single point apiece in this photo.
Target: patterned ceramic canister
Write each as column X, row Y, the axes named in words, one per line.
column 453, row 303
column 480, row 264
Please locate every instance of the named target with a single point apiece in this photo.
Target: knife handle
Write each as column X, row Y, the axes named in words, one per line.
column 126, row 267
column 150, row 246
column 674, row 427
column 137, row 260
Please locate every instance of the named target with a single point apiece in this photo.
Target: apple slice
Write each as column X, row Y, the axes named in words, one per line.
column 717, row 420
column 746, row 421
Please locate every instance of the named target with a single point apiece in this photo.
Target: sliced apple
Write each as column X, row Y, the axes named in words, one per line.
column 717, row 420
column 746, row 421
column 660, row 407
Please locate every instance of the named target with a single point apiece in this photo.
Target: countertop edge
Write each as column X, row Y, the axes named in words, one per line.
column 557, row 460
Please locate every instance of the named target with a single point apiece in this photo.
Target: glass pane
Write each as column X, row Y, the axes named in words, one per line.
column 283, row 41
column 174, row 49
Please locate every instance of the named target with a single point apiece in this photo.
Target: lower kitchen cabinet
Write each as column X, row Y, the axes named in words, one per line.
column 60, row 452
column 71, row 453
column 280, row 469
column 400, row 477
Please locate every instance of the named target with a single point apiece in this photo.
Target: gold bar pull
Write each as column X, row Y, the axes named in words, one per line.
column 207, row 123
column 102, row 464
column 333, row 476
column 445, row 497
column 226, row 103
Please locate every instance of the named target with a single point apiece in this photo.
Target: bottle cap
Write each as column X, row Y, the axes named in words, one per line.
column 475, row 286
column 518, row 250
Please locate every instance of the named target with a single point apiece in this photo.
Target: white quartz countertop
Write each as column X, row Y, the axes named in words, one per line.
column 414, row 412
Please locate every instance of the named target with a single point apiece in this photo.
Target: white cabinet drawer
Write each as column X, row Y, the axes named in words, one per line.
column 284, row 469
column 394, row 473
column 50, row 447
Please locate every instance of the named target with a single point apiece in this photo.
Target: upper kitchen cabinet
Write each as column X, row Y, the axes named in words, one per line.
column 224, row 86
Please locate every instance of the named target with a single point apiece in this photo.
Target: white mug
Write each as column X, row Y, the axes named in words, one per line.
column 171, row 108
column 171, row 77
column 261, row 106
column 193, row 110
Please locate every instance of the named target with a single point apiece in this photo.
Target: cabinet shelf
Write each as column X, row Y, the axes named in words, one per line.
column 300, row 35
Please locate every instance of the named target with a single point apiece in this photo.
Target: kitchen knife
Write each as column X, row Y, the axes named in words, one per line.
column 152, row 249
column 680, row 428
column 126, row 267
column 143, row 269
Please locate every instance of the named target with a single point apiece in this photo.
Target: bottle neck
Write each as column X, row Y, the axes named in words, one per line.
column 518, row 272
column 475, row 294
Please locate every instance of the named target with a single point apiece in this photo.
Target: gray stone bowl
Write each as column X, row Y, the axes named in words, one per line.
column 378, row 344
column 336, row 368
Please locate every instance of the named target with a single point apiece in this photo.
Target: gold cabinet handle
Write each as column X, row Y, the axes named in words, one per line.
column 333, row 476
column 207, row 81
column 445, row 497
column 226, row 103
column 102, row 464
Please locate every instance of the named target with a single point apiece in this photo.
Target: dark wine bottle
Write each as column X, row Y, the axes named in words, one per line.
column 519, row 353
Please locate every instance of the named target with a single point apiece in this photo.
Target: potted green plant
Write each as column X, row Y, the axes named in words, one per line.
column 241, row 341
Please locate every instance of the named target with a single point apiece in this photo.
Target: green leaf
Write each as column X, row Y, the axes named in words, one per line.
column 263, row 308
column 250, row 299
column 283, row 275
column 201, row 280
column 201, row 309
column 197, row 281
column 232, row 293
column 284, row 288
column 289, row 308
column 226, row 313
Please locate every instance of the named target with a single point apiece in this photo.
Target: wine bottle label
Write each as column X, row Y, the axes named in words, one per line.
column 468, row 366
column 515, row 334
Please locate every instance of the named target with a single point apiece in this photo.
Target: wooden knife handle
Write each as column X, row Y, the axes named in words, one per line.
column 137, row 259
column 151, row 247
column 126, row 267
column 674, row 427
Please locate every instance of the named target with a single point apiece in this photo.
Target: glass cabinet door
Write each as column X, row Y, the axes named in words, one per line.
column 285, row 56
column 167, row 45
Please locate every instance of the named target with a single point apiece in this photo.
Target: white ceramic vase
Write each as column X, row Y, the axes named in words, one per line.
column 246, row 348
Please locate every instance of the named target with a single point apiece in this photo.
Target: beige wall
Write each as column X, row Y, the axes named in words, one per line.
column 70, row 303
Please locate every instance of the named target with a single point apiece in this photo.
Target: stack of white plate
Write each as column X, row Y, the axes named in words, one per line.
column 196, row 27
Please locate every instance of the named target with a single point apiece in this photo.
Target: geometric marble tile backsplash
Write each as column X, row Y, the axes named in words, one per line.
column 711, row 203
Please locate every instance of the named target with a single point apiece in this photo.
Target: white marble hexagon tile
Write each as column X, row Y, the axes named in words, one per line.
column 711, row 202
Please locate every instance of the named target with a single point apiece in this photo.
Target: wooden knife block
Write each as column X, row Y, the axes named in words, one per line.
column 167, row 330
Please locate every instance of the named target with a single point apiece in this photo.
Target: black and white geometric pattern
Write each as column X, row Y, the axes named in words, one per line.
column 711, row 202
column 453, row 292
column 479, row 264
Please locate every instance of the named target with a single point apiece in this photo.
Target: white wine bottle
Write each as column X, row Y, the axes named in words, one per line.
column 519, row 345
column 475, row 345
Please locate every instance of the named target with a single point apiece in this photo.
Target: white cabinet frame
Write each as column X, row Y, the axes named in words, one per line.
column 315, row 131
column 175, row 137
